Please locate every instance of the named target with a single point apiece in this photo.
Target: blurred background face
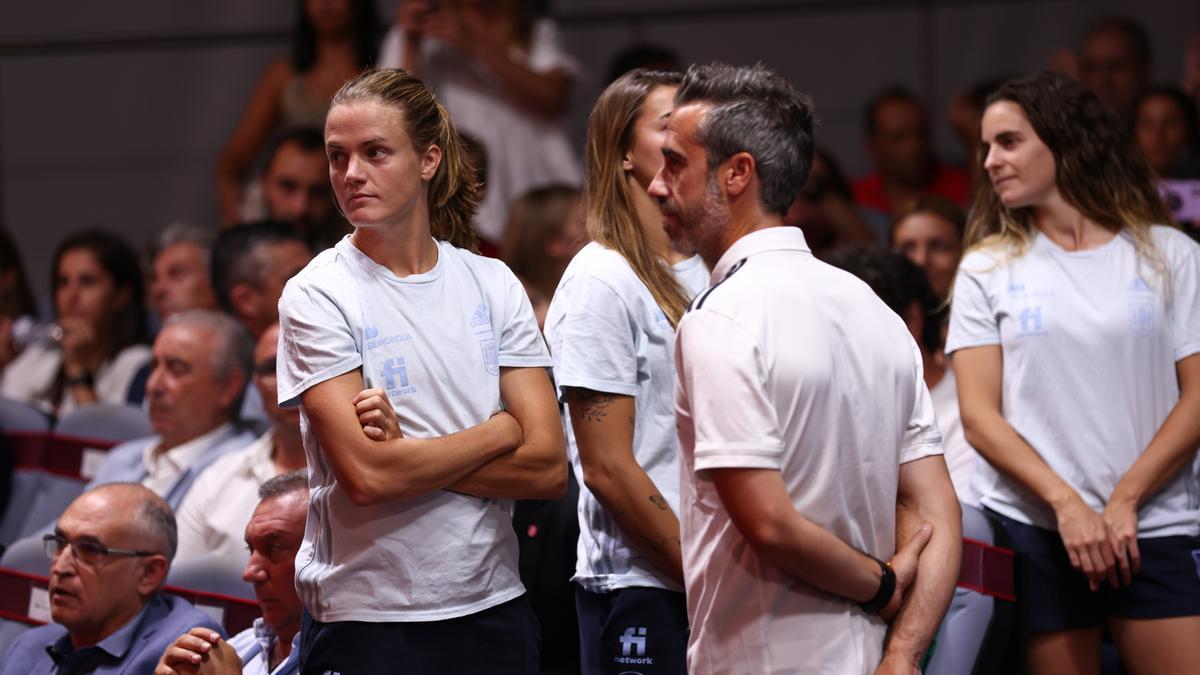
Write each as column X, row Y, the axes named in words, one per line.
column 84, row 290
column 900, row 145
column 1109, row 66
column 1160, row 130
column 186, row 397
column 329, row 16
column 933, row 244
column 180, row 281
column 264, row 379
column 296, row 187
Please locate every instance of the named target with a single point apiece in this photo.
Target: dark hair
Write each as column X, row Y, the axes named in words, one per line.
column 234, row 255
column 889, row 95
column 119, row 261
column 364, row 24
column 1099, row 169
column 307, row 139
column 1186, row 106
column 1132, row 31
column 756, row 111
column 20, row 301
column 898, row 282
column 642, row 55
column 284, row 483
column 834, row 181
column 477, row 154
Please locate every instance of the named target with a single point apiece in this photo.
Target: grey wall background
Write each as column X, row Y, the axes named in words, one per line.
column 112, row 114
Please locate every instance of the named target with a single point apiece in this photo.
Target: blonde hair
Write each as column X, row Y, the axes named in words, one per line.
column 452, row 192
column 612, row 219
column 1099, row 170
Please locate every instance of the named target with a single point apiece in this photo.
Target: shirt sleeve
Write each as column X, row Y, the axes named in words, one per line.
column 598, row 348
column 922, row 437
column 521, row 342
column 1185, row 310
column 972, row 319
column 720, row 370
column 315, row 341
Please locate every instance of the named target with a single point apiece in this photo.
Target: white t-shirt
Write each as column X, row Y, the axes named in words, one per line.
column 607, row 334
column 524, row 149
column 213, row 516
column 960, row 456
column 435, row 342
column 787, row 363
column 1089, row 342
column 31, row 375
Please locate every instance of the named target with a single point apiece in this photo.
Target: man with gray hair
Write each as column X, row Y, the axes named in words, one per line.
column 179, row 271
column 807, row 435
column 200, row 368
column 269, row 647
column 110, row 552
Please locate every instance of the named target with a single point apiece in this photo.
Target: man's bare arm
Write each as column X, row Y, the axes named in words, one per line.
column 925, row 495
column 762, row 511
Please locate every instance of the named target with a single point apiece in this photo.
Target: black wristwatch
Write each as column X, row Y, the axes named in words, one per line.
column 85, row 378
column 887, row 588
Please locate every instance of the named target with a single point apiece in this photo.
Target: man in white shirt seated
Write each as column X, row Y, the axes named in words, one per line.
column 216, row 509
column 269, row 647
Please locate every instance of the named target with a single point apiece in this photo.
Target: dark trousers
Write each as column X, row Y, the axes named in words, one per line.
column 632, row 630
column 501, row 640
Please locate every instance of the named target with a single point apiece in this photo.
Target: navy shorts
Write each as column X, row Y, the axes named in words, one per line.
column 501, row 639
column 1055, row 596
column 633, row 631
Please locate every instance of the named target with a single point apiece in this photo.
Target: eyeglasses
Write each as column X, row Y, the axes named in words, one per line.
column 86, row 552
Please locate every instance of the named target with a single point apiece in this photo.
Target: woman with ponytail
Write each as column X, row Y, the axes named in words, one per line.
column 611, row 329
column 426, row 409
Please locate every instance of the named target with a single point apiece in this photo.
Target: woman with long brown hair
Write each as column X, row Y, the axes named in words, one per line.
column 611, row 329
column 409, row 559
column 1075, row 334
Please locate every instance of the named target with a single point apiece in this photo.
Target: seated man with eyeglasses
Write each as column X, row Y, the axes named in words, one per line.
column 110, row 553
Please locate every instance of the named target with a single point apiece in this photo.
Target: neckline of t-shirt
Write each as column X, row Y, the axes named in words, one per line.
column 1045, row 242
column 688, row 264
column 367, row 264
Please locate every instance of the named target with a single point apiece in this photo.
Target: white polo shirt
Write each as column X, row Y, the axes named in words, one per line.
column 788, row 363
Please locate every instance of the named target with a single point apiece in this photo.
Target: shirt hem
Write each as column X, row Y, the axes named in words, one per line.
column 738, row 457
column 952, row 347
column 606, row 386
column 1172, row 530
column 414, row 617
column 608, row 583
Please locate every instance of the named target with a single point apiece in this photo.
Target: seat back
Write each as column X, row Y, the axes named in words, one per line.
column 104, row 421
column 24, row 428
column 219, row 573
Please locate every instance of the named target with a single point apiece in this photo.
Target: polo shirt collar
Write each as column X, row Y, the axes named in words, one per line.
column 115, row 646
column 778, row 238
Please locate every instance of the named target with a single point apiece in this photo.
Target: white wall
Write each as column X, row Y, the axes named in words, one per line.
column 104, row 123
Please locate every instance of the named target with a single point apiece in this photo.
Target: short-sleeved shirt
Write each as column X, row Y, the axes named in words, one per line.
column 789, row 364
column 435, row 342
column 607, row 334
column 1089, row 341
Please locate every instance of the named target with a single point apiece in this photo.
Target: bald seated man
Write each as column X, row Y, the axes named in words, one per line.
column 110, row 553
column 269, row 647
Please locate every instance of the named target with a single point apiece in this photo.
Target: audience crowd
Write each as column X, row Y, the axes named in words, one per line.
column 191, row 334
